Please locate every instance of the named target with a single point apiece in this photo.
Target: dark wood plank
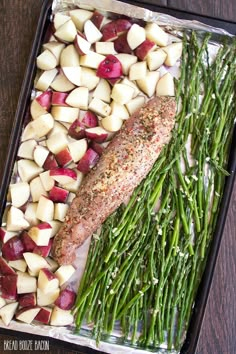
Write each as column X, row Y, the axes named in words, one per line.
column 157, row 2
column 161, row 2
column 17, row 28
column 18, row 25
column 219, row 325
column 216, row 8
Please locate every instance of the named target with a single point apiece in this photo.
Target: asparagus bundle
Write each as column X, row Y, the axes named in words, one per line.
column 144, row 268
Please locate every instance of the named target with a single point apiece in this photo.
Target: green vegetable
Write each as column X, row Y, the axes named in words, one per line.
column 145, row 267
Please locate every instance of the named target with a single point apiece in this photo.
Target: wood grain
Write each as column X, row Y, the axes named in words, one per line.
column 224, row 9
column 219, row 325
column 17, row 29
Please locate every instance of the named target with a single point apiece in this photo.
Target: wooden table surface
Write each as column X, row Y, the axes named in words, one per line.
column 17, row 29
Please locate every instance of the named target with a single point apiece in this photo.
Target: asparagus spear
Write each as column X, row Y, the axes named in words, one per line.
column 146, row 266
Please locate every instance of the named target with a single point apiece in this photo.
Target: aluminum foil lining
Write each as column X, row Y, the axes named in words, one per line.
column 175, row 26
column 133, row 11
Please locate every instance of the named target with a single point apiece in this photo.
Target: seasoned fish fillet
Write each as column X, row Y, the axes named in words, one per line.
column 123, row 165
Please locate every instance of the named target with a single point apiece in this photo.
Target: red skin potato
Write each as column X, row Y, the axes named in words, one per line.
column 81, row 34
column 24, row 309
column 58, row 194
column 5, row 269
column 45, row 99
column 97, row 147
column 88, row 161
column 122, row 25
column 78, row 46
column 113, row 81
column 50, row 275
column 8, row 287
column 121, row 44
column 97, row 137
column 109, row 32
column 115, row 28
column 43, row 316
column 89, row 120
column 13, row 249
column 26, row 300
column 43, row 226
column 97, row 19
column 66, row 299
column 28, row 243
column 2, row 234
column 59, row 98
column 144, row 48
column 62, row 171
column 63, row 157
column 23, row 207
column 50, row 162
column 43, row 250
column 109, row 68
column 76, row 130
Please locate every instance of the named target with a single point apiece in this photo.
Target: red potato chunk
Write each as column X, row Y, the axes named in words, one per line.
column 8, row 286
column 66, row 299
column 88, row 161
column 5, row 269
column 13, row 249
column 28, row 299
column 109, row 68
column 45, row 99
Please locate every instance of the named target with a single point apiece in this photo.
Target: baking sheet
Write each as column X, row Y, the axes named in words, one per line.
column 66, row 334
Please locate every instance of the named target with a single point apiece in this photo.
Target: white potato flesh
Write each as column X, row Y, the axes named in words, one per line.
column 136, row 35
column 66, row 32
column 156, row 59
column 20, row 193
column 134, row 104
column 138, row 71
column 112, row 123
column 166, row 86
column 99, row 107
column 121, row 93
column 174, row 52
column 156, row 34
column 46, row 60
column 79, row 98
column 45, row 79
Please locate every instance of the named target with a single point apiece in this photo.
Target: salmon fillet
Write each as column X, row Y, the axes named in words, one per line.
column 122, row 166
